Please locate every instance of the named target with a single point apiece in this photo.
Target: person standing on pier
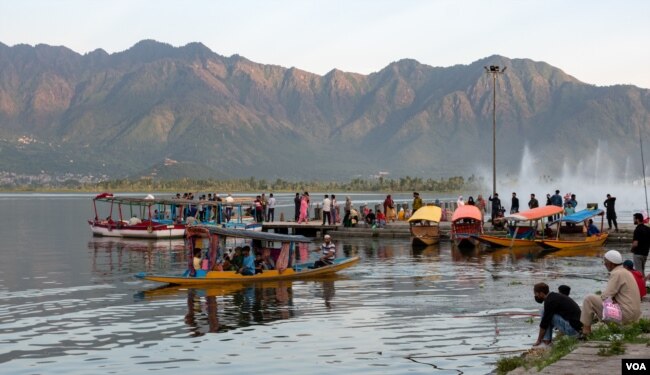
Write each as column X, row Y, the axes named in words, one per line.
column 640, row 243
column 334, row 210
column 327, row 206
column 265, row 205
column 496, row 206
column 417, row 202
column 270, row 216
column 533, row 202
column 514, row 205
column 304, row 208
column 480, row 203
column 611, row 212
column 556, row 200
column 389, row 208
column 348, row 209
column 296, row 204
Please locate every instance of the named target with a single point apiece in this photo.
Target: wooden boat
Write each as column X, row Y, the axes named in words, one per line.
column 580, row 217
column 522, row 229
column 212, row 239
column 150, row 217
column 466, row 222
column 425, row 226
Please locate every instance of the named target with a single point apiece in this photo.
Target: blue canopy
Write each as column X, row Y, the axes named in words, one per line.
column 580, row 216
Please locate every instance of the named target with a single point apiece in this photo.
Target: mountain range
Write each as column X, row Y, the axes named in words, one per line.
column 129, row 114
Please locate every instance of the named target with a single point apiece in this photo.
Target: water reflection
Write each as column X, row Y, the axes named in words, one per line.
column 111, row 255
column 227, row 307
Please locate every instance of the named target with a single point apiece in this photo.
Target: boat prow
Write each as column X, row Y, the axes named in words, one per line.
column 597, row 240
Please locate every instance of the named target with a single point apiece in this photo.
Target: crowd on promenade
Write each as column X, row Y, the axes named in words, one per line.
column 263, row 207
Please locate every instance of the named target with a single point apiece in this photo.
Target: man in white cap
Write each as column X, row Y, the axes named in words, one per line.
column 328, row 253
column 621, row 288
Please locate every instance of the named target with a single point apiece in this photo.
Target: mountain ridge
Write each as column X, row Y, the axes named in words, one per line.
column 126, row 112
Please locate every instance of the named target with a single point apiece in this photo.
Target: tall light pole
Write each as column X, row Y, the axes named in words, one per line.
column 494, row 70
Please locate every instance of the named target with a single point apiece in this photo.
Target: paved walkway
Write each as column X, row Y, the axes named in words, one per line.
column 585, row 358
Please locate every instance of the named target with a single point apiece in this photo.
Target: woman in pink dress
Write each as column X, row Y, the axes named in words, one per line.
column 304, row 206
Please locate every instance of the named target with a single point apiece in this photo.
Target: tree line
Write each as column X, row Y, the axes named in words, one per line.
column 252, row 184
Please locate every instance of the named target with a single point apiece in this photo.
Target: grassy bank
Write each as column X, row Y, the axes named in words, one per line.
column 613, row 337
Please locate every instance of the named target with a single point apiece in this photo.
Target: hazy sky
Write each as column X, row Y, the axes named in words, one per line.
column 599, row 42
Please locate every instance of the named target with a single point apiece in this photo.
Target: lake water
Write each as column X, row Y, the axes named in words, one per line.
column 69, row 304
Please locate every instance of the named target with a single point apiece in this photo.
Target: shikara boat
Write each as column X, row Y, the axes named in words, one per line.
column 150, row 217
column 466, row 222
column 581, row 218
column 212, row 242
column 425, row 226
column 523, row 227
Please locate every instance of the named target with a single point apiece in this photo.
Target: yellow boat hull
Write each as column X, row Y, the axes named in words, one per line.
column 227, row 277
column 496, row 241
column 592, row 241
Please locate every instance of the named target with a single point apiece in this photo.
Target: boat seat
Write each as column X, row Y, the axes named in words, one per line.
column 523, row 233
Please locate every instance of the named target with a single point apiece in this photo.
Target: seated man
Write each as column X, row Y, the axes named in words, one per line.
column 559, row 312
column 370, row 218
column 269, row 263
column 248, row 263
column 629, row 265
column 381, row 219
column 236, row 259
column 621, row 288
column 592, row 230
column 328, row 253
column 259, row 264
column 196, row 261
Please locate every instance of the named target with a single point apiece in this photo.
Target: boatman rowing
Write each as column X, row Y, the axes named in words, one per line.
column 328, row 253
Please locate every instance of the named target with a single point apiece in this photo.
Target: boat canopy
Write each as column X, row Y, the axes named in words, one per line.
column 580, row 216
column 466, row 212
column 243, row 233
column 428, row 213
column 535, row 213
column 150, row 200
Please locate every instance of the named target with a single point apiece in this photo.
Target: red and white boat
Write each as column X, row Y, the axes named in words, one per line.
column 138, row 217
column 153, row 218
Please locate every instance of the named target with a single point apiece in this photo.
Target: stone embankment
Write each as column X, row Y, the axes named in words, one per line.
column 585, row 359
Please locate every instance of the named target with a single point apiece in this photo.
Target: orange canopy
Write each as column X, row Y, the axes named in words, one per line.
column 536, row 213
column 466, row 212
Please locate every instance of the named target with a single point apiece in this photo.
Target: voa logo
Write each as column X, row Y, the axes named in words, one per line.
column 635, row 366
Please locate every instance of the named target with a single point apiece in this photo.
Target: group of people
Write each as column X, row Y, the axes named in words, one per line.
column 263, row 208
column 220, row 211
column 625, row 288
column 249, row 262
column 568, row 203
column 242, row 260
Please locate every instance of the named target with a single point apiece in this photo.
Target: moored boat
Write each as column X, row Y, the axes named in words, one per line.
column 580, row 217
column 154, row 218
column 523, row 228
column 424, row 225
column 212, row 242
column 466, row 222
